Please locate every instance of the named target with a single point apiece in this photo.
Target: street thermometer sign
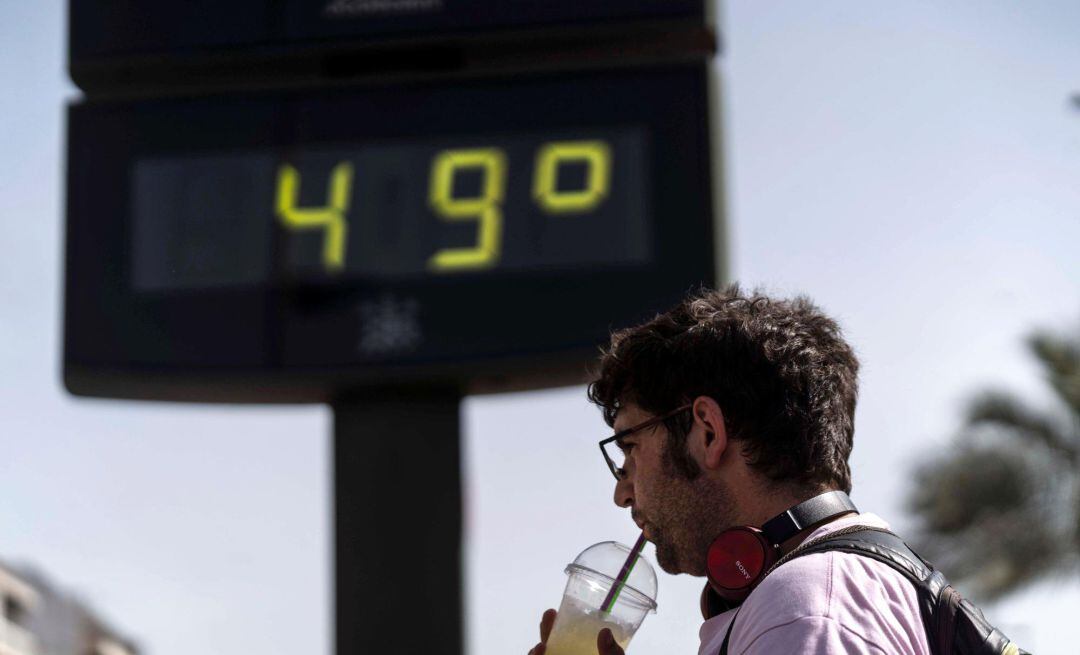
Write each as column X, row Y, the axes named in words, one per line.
column 383, row 205
column 285, row 245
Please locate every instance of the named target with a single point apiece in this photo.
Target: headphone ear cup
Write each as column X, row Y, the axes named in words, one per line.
column 737, row 560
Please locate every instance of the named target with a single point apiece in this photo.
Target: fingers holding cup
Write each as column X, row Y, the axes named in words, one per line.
column 605, row 644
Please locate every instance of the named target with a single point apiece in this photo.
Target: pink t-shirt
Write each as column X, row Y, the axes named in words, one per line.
column 829, row 603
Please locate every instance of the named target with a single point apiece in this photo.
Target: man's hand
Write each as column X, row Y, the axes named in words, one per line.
column 605, row 644
column 546, row 622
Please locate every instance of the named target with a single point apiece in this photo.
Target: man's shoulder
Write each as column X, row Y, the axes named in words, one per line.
column 813, row 584
column 820, row 583
column 799, row 588
column 855, row 593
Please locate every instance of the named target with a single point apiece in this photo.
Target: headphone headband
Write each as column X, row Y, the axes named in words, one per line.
column 807, row 513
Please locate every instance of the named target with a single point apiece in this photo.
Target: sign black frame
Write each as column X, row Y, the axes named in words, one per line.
column 283, row 343
column 129, row 47
column 126, row 29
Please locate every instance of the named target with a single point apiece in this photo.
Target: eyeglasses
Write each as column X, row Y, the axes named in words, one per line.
column 613, row 449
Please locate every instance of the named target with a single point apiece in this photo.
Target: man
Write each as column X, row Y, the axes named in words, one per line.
column 733, row 408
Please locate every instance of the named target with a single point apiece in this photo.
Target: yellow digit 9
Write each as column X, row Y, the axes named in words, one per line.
column 595, row 154
column 330, row 218
column 485, row 208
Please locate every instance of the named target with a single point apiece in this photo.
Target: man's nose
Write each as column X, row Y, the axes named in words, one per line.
column 624, row 493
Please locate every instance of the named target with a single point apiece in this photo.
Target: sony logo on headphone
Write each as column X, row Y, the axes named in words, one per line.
column 742, row 569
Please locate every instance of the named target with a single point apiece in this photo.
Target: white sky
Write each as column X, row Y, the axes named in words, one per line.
column 911, row 166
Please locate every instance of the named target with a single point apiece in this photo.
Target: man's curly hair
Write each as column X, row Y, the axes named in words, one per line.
column 779, row 369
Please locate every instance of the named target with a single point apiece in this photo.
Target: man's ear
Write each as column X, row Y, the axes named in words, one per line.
column 709, row 419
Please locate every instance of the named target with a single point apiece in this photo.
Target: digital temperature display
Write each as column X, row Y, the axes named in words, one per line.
column 444, row 207
column 289, row 244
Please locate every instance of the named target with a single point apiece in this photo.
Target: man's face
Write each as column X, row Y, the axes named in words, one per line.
column 681, row 516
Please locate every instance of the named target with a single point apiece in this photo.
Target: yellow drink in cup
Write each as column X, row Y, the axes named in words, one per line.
column 576, row 628
column 607, row 576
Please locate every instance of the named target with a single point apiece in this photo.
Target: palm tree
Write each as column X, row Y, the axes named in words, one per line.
column 1001, row 508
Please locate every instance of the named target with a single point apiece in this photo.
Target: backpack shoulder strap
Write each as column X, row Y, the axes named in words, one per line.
column 876, row 543
column 727, row 635
column 939, row 603
column 889, row 549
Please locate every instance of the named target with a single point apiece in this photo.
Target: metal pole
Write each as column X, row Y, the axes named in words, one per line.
column 397, row 514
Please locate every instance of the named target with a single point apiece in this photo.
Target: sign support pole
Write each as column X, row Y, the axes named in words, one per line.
column 397, row 517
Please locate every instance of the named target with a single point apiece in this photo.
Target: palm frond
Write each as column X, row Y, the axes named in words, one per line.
column 1000, row 508
column 986, row 512
column 952, row 493
column 1004, row 553
column 1061, row 359
column 1006, row 411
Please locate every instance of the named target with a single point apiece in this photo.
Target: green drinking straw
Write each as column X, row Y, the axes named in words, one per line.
column 620, row 581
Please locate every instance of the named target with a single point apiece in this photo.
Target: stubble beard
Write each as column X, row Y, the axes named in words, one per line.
column 690, row 513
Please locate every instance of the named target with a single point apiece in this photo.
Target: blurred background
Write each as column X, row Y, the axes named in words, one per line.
column 912, row 167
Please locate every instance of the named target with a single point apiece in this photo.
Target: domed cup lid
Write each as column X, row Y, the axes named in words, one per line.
column 606, row 559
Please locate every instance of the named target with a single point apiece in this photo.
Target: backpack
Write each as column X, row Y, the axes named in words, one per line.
column 953, row 625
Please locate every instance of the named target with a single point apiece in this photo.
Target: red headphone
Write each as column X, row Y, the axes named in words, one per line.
column 740, row 557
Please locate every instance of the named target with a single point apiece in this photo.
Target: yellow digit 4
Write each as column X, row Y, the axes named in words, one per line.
column 597, row 157
column 485, row 209
column 330, row 218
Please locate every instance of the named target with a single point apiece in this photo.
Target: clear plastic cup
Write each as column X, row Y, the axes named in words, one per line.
column 592, row 575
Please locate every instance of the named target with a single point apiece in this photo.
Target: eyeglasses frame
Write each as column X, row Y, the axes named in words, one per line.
column 619, row 473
